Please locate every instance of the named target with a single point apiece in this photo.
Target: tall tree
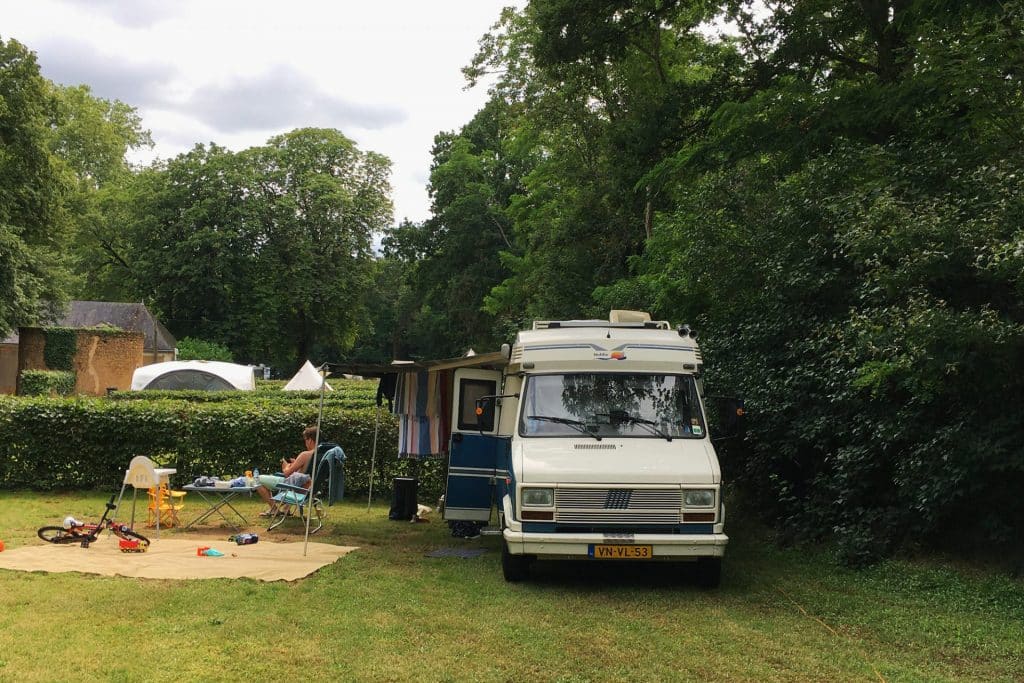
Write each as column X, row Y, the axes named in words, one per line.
column 836, row 233
column 93, row 136
column 33, row 192
column 606, row 91
column 454, row 259
column 267, row 250
column 325, row 199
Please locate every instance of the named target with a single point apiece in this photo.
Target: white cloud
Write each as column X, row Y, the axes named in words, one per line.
column 282, row 97
column 73, row 61
column 237, row 72
column 132, row 13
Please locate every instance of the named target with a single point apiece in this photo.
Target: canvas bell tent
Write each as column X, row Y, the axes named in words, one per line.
column 306, row 379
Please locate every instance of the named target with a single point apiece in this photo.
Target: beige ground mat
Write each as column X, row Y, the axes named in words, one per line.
column 171, row 558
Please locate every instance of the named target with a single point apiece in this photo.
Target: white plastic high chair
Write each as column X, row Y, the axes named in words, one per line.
column 142, row 473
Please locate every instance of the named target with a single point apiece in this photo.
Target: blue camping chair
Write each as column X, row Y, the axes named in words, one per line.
column 328, row 484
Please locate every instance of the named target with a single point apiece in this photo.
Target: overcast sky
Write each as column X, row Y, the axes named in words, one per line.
column 386, row 74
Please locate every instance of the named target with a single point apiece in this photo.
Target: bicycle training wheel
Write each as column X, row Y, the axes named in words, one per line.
column 57, row 534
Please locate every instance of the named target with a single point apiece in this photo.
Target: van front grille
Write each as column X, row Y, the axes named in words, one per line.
column 618, row 506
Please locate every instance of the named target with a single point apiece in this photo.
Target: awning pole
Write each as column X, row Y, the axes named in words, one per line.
column 316, row 456
column 373, row 456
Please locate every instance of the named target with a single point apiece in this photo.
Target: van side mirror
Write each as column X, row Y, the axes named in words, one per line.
column 484, row 402
column 484, row 409
column 730, row 414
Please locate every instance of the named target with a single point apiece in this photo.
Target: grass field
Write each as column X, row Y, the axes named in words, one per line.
column 387, row 612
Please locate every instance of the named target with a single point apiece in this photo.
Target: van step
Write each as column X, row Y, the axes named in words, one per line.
column 490, row 531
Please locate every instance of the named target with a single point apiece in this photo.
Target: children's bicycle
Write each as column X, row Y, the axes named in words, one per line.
column 74, row 531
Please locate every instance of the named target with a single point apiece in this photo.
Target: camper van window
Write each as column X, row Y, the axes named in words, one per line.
column 469, row 391
column 612, row 405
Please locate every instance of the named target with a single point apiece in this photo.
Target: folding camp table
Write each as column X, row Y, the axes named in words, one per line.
column 218, row 498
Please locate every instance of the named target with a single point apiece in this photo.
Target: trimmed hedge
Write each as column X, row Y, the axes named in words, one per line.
column 281, row 398
column 47, row 382
column 86, row 443
column 347, row 394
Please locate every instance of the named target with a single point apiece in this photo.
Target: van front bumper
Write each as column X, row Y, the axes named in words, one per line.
column 572, row 545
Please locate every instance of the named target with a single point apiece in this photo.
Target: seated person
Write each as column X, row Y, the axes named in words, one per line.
column 294, row 472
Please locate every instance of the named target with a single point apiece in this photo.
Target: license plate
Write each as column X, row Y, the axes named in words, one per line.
column 620, row 552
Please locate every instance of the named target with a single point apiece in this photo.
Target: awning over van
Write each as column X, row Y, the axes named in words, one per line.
column 495, row 359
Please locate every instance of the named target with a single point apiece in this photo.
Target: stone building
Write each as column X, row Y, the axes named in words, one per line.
column 102, row 359
column 156, row 345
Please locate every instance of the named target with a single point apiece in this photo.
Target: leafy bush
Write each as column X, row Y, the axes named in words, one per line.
column 60, row 347
column 87, row 442
column 868, row 307
column 199, row 349
column 47, row 382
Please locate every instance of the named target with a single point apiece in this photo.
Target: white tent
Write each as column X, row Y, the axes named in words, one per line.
column 306, row 379
column 209, row 375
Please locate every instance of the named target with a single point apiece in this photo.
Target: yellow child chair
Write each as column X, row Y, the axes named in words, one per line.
column 166, row 503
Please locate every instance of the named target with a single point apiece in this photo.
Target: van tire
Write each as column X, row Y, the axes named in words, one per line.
column 515, row 568
column 709, row 572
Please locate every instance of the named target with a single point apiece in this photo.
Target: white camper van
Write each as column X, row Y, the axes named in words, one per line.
column 590, row 439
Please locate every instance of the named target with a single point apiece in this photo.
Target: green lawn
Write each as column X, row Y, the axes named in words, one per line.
column 387, row 612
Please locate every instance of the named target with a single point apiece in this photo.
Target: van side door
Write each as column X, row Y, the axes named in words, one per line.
column 476, row 454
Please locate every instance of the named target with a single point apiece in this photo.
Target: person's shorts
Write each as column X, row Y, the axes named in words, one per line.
column 299, row 479
column 270, row 481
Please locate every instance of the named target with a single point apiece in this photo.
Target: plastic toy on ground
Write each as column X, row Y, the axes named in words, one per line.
column 132, row 546
column 245, row 539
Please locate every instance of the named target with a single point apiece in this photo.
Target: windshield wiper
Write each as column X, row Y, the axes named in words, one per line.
column 575, row 424
column 619, row 416
column 650, row 424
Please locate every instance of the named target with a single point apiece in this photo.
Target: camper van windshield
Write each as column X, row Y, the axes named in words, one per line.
column 610, row 405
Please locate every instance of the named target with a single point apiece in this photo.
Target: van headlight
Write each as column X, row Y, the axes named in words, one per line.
column 544, row 498
column 699, row 498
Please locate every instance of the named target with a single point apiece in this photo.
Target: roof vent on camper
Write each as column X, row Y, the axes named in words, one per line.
column 624, row 319
column 619, row 316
